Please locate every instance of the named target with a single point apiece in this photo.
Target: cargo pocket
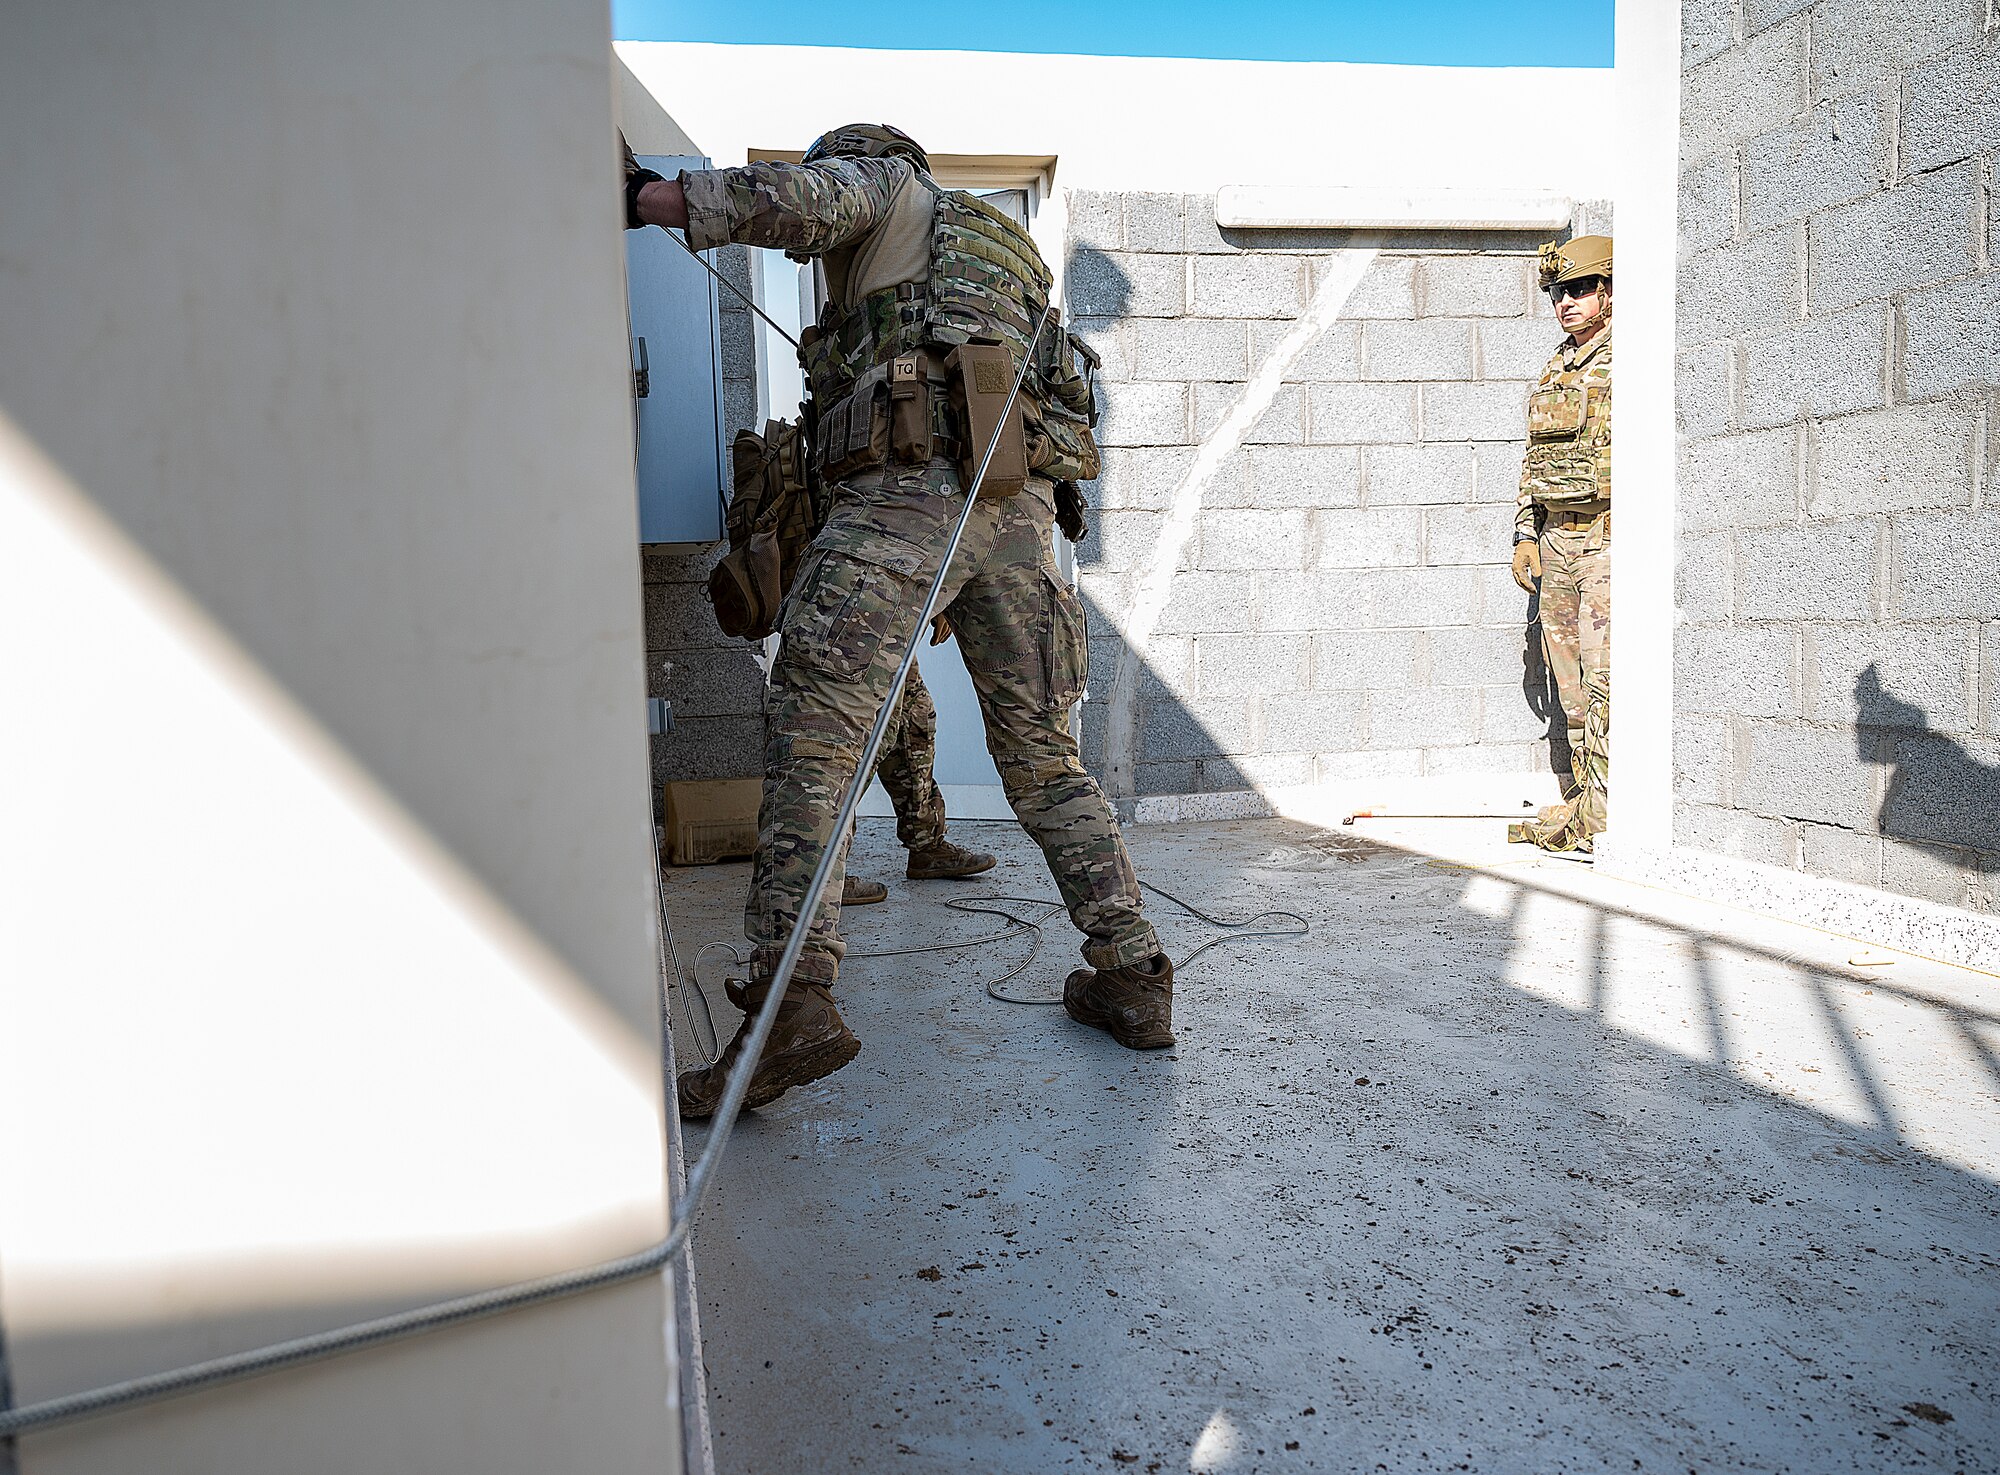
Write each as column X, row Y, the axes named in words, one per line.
column 1065, row 647
column 847, row 602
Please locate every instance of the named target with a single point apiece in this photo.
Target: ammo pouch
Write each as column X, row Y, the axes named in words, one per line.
column 773, row 514
column 893, row 413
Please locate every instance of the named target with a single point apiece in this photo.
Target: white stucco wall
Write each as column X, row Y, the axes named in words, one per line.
column 1153, row 123
column 1150, row 124
column 327, row 964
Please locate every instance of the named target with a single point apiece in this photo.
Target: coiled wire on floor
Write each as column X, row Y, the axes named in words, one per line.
column 701, row 1022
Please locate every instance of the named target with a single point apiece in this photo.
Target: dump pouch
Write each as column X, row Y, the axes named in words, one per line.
column 746, row 588
column 774, row 510
column 981, row 376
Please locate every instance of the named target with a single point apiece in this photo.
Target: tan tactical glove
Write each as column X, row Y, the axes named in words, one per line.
column 940, row 629
column 1527, row 565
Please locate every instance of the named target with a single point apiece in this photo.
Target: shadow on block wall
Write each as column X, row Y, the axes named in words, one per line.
column 1937, row 792
column 1341, row 609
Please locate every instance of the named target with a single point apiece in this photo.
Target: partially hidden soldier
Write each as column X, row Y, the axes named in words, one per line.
column 1562, row 533
column 907, row 769
column 933, row 300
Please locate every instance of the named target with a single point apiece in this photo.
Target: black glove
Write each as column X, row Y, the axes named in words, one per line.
column 636, row 179
column 1069, row 512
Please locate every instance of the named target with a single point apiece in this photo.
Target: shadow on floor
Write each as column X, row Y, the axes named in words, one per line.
column 1479, row 1177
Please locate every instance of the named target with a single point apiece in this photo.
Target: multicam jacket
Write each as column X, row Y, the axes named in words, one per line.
column 907, row 265
column 1569, row 433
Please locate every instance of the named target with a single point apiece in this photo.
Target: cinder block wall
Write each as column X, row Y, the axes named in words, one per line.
column 1837, row 663
column 1344, row 609
column 714, row 683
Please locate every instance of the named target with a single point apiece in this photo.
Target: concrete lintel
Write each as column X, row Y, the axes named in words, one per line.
column 1364, row 207
column 1948, row 934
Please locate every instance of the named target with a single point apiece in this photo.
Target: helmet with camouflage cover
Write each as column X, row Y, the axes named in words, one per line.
column 1575, row 259
column 867, row 141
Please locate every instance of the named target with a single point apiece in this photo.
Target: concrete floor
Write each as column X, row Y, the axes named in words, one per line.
column 1507, row 1167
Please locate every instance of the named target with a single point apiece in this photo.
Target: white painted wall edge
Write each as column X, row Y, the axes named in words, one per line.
column 1645, row 460
column 1361, row 207
column 1904, row 923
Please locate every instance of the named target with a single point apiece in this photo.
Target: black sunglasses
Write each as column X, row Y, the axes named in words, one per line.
column 1582, row 287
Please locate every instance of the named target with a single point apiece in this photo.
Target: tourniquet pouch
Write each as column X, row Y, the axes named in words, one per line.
column 981, row 377
column 909, row 410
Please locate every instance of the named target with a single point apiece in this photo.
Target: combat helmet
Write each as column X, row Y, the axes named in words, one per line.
column 1575, row 259
column 867, row 141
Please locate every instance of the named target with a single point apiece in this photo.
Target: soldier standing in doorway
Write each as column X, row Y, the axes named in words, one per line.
column 1562, row 532
column 915, row 273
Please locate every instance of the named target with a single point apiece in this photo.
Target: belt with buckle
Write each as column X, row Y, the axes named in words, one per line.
column 1570, row 517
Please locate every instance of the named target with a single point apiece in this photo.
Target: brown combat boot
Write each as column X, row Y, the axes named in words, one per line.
column 855, row 892
column 808, row 1040
column 945, row 861
column 1134, row 1005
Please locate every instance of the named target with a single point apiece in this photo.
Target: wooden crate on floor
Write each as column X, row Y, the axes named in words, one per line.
column 710, row 820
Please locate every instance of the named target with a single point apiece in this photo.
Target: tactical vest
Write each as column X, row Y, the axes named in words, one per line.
column 987, row 285
column 1569, row 432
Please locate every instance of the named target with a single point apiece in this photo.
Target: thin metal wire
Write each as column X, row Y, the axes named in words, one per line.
column 710, row 269
column 986, row 904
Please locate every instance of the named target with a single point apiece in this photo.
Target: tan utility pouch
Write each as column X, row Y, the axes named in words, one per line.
column 981, row 376
column 1558, row 412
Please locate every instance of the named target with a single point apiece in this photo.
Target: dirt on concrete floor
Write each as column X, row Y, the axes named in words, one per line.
column 1506, row 1167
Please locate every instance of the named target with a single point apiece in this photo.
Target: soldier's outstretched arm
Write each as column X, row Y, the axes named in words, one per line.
column 805, row 208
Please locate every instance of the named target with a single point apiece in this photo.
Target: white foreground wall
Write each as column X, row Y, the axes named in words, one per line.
column 329, row 945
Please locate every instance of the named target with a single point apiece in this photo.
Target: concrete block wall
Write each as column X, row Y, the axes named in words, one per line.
column 714, row 683
column 1837, row 690
column 1344, row 608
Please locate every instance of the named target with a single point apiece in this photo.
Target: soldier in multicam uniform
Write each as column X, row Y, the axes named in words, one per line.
column 911, row 270
column 907, row 769
column 1562, row 531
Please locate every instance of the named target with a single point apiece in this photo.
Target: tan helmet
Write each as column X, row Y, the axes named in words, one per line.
column 867, row 141
column 1572, row 260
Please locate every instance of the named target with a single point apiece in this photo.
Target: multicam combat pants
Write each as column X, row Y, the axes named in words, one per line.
column 908, row 766
column 1576, row 634
column 1020, row 630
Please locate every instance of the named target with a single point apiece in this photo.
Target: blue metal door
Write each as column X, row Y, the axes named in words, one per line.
column 677, row 378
